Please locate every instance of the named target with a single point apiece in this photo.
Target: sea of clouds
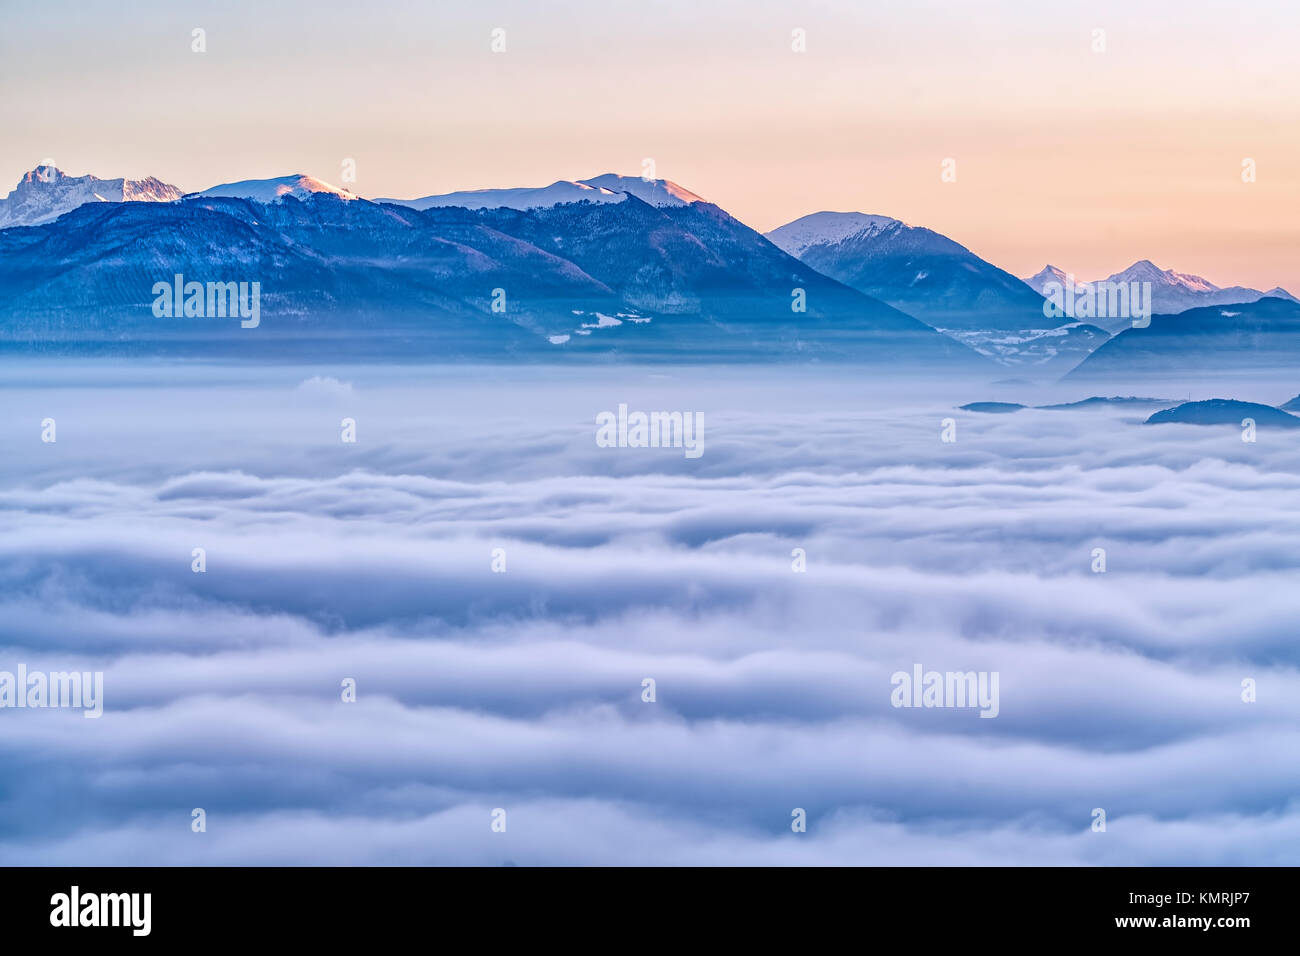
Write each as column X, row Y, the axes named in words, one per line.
column 523, row 690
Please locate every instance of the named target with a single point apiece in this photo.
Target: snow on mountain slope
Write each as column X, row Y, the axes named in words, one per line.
column 621, row 278
column 271, row 190
column 607, row 188
column 525, row 197
column 914, row 269
column 1144, row 270
column 1049, row 273
column 1171, row 292
column 656, row 192
column 1277, row 292
column 47, row 192
column 826, row 228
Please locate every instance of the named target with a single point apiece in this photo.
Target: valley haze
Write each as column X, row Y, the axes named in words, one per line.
column 476, row 690
column 706, row 435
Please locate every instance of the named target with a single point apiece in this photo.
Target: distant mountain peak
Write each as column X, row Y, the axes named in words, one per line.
column 515, row 197
column 656, row 192
column 1144, row 270
column 609, row 187
column 44, row 174
column 47, row 192
column 297, row 185
column 1049, row 273
column 916, row 270
column 827, row 228
column 1171, row 292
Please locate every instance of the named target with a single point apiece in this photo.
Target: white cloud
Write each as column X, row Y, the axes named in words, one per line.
column 522, row 689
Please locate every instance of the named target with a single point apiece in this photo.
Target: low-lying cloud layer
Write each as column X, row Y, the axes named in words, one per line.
column 522, row 690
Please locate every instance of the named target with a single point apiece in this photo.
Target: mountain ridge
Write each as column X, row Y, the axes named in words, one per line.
column 607, row 265
column 46, row 192
column 1171, row 292
column 627, row 279
column 1251, row 337
column 915, row 269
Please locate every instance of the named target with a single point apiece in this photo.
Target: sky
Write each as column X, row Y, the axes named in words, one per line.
column 1086, row 159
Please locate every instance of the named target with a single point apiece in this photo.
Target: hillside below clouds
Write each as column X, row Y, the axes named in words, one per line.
column 1258, row 339
column 649, row 271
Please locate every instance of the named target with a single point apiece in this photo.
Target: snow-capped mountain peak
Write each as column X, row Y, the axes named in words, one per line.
column 1277, row 292
column 298, row 186
column 1171, row 292
column 827, row 228
column 45, row 174
column 1049, row 273
column 655, row 192
column 47, row 192
column 916, row 270
column 609, row 188
column 525, row 197
column 1144, row 270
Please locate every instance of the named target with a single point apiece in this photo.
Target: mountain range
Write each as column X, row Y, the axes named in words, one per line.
column 605, row 267
column 943, row 283
column 1171, row 292
column 271, row 190
column 914, row 269
column 673, row 278
column 607, row 188
column 46, row 193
